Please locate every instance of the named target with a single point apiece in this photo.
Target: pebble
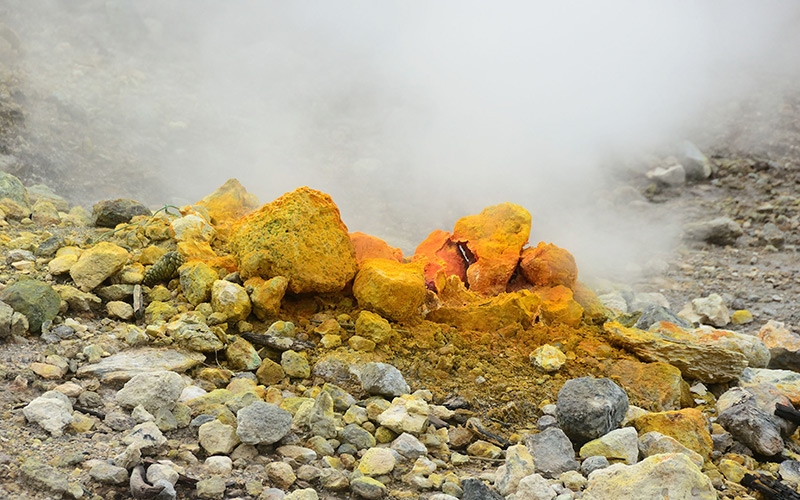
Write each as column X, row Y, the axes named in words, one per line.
column 280, row 474
column 217, row 437
column 408, row 446
column 106, row 473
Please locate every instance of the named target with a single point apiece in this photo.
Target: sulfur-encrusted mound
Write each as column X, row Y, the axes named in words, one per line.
column 548, row 265
column 229, row 202
column 300, row 236
column 372, row 247
column 494, row 238
column 392, row 289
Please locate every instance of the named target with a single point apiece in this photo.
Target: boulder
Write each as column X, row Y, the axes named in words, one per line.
column 494, row 239
column 98, row 263
column 392, row 289
column 589, row 407
column 34, row 299
column 300, row 236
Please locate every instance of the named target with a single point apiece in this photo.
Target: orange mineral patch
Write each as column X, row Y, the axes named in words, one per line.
column 548, row 265
column 372, row 247
column 440, row 255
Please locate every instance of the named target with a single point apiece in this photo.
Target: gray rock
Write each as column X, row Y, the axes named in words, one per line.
column 52, row 411
column 709, row 310
column 753, row 427
column 763, row 396
column 590, row 407
column 720, row 231
column 695, row 163
column 546, row 421
column 11, row 322
column 158, row 472
column 49, row 478
column 518, row 464
column 408, row 446
column 552, row 452
column 262, row 423
column 125, row 365
column 673, row 175
column 106, row 473
column 153, row 391
column 109, row 213
column 383, row 379
column 34, row 299
column 367, row 487
column 321, row 419
column 211, row 488
column 475, row 489
column 361, row 438
column 146, row 436
column 655, row 313
column 771, row 234
column 790, row 471
column 591, row 464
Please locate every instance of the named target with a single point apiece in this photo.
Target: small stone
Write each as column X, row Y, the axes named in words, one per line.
column 367, row 487
column 741, row 317
column 377, row 461
column 146, row 436
column 573, row 480
column 535, row 487
column 217, row 438
column 484, row 449
column 374, row 327
column 518, row 464
column 359, row 437
column 720, row 231
column 295, row 365
column 383, row 379
column 269, row 372
column 552, row 452
column 408, row 446
column 548, row 358
column 262, row 423
column 106, row 473
column 654, row 443
column 98, row 263
column 212, row 488
column 617, row 445
column 590, row 407
column 280, row 474
column 242, row 356
column 231, row 300
column 52, row 411
column 154, row 390
column 591, row 464
column 475, row 489
column 119, row 309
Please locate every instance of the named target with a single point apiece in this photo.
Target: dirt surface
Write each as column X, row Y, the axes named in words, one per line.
column 755, row 182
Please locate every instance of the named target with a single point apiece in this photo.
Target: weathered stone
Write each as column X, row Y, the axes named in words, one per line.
column 52, row 411
column 654, row 443
column 377, row 461
column 266, row 295
column 552, row 452
column 765, row 397
column 110, row 213
column 475, row 489
column 490, row 314
column 242, row 356
column 720, row 231
column 231, row 300
column 34, row 299
column 146, row 436
column 753, row 427
column 673, row 175
column 548, row 265
column 262, row 423
column 217, row 437
column 49, row 478
column 707, row 363
column 269, row 372
column 372, row 247
column 106, row 473
column 783, row 345
column 408, row 446
column 658, row 476
column 383, row 379
column 368, row 487
column 192, row 227
column 12, row 189
column 321, row 419
column 558, row 306
column 709, row 310
column 280, row 474
column 373, row 327
column 392, row 289
column 98, row 263
column 212, row 488
column 78, row 301
column 440, row 258
column 45, row 213
column 655, row 313
column 494, row 238
column 153, row 390
column 196, row 279
column 119, row 309
column 787, row 382
column 228, row 203
column 295, row 364
column 534, row 487
column 407, row 413
column 518, row 464
column 299, row 236
column 654, row 386
column 191, row 332
column 617, row 445
column 548, row 358
column 590, row 407
column 125, row 365
column 688, row 426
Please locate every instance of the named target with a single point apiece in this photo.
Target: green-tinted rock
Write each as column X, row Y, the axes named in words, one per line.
column 269, row 373
column 295, row 364
column 34, row 299
column 242, row 355
column 159, row 311
column 196, row 279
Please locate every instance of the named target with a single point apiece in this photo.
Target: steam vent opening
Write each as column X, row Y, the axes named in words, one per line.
column 260, row 250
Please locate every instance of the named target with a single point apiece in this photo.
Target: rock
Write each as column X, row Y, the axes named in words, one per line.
column 383, row 379
column 591, row 464
column 192, row 227
column 548, row 358
column 475, row 489
column 697, row 165
column 228, row 203
column 552, row 452
column 720, row 231
column 407, row 413
column 371, row 247
column 211, row 488
column 266, row 295
column 790, row 472
column 269, row 372
column 196, row 279
column 755, row 352
column 12, row 189
column 688, row 426
column 153, row 390
column 299, row 454
column 654, row 386
column 785, row 381
column 558, row 306
column 590, row 407
column 98, row 263
column 78, row 301
column 123, row 366
column 52, row 411
column 242, row 356
column 299, row 236
column 360, row 438
column 655, row 313
column 146, row 436
column 392, row 289
column 45, row 213
column 765, row 397
column 441, row 258
column 374, row 327
column 49, row 478
column 120, row 310
column 664, row 342
column 106, row 473
column 166, row 472
column 304, row 494
column 518, row 464
column 230, row 300
column 548, row 265
column 654, row 443
column 295, row 364
column 109, row 213
column 783, row 345
column 709, row 310
column 494, row 238
column 321, row 418
column 658, row 476
column 534, row 487
column 11, row 322
column 34, row 299
column 753, row 427
column 190, row 331
column 674, row 175
column 618, row 445
column 280, row 474
column 262, row 423
column 468, row 312
column 42, row 192
column 377, row 462
column 484, row 449
column 216, row 437
column 367, row 487
column 408, row 446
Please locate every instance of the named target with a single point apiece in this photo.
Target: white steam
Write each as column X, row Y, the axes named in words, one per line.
column 410, row 114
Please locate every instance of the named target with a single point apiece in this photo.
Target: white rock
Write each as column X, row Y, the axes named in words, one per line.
column 52, row 411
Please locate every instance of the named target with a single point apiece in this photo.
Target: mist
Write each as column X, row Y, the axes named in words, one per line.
column 409, row 114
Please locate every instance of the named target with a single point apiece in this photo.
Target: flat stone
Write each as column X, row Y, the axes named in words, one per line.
column 98, row 263
column 52, row 411
column 153, row 390
column 107, row 473
column 125, row 365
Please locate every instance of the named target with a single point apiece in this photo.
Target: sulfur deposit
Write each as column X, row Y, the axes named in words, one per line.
column 227, row 350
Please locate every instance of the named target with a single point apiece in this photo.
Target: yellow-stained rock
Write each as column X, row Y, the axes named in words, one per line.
column 98, row 263
column 593, row 310
column 653, row 386
column 441, row 258
column 197, row 278
column 61, row 264
column 688, row 426
column 372, row 247
column 372, row 326
column 242, row 356
column 495, row 238
column 151, row 254
column 392, row 289
column 266, row 295
column 228, row 203
column 491, row 314
column 231, row 300
column 300, row 236
column 732, row 470
column 741, row 317
column 558, row 306
column 196, row 250
column 548, row 265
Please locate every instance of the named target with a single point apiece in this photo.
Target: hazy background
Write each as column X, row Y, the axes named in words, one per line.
column 410, row 114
